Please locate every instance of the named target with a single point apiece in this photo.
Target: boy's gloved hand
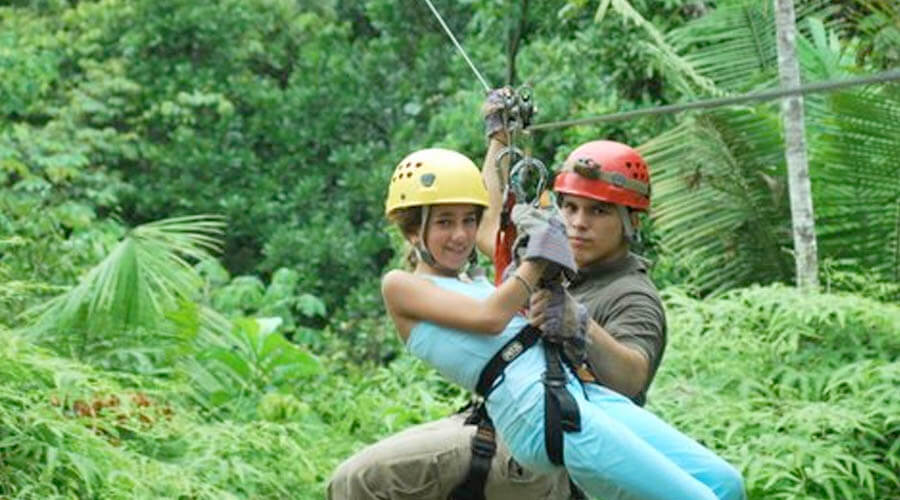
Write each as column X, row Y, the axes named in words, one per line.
column 562, row 320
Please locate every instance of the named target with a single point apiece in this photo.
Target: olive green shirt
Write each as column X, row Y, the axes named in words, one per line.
column 621, row 298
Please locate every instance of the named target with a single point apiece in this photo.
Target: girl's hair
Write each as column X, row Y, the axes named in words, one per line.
column 409, row 220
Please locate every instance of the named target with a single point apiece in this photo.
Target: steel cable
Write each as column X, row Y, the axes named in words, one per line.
column 458, row 46
column 825, row 86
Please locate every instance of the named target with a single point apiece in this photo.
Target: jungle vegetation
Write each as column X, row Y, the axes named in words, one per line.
column 192, row 232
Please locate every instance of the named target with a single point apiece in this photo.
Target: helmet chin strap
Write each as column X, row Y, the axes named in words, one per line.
column 630, row 234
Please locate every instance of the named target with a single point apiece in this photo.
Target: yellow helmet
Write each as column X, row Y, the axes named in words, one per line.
column 435, row 176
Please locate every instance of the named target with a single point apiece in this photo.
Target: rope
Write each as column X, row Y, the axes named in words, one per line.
column 458, row 46
column 826, row 86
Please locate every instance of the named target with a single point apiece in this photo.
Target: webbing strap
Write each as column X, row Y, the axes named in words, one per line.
column 560, row 409
column 503, row 241
column 484, row 446
column 526, row 338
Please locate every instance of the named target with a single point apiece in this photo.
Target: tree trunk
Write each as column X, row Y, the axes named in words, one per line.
column 795, row 150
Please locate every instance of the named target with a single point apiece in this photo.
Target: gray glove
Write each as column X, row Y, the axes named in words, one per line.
column 493, row 110
column 542, row 235
column 566, row 324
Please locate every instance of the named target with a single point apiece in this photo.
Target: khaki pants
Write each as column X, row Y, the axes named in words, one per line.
column 428, row 461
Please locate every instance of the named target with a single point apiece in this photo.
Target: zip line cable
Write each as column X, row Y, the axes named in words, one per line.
column 458, row 46
column 825, row 86
column 822, row 86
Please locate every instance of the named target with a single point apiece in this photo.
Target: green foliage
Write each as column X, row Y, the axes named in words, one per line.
column 865, row 282
column 857, row 196
column 284, row 116
column 143, row 277
column 720, row 188
column 71, row 431
column 249, row 362
column 798, row 390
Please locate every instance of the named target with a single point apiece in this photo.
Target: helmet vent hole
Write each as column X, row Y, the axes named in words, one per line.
column 628, row 164
column 408, row 175
column 418, row 164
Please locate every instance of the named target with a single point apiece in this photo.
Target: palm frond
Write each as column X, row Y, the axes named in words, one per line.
column 142, row 277
column 719, row 203
column 734, row 45
column 720, row 199
column 665, row 53
column 857, row 188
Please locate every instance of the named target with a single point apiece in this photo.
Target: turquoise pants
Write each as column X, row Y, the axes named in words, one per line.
column 623, row 451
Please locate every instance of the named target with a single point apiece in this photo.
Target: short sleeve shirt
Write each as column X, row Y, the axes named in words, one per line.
column 621, row 298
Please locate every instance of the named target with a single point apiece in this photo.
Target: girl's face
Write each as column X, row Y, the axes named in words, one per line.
column 450, row 234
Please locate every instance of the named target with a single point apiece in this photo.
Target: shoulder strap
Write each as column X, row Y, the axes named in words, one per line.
column 523, row 340
column 484, row 444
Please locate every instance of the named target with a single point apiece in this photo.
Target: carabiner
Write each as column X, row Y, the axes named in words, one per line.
column 520, row 175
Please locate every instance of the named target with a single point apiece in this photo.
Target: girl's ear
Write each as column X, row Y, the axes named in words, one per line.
column 635, row 220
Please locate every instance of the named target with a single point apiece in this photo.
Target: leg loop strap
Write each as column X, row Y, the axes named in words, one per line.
column 484, row 446
column 561, row 412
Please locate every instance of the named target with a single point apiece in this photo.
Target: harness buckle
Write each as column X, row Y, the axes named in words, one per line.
column 553, row 381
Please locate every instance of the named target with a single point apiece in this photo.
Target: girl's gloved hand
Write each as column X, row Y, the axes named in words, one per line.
column 495, row 111
column 542, row 235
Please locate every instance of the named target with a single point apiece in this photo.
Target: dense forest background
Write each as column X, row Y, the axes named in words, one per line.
column 191, row 230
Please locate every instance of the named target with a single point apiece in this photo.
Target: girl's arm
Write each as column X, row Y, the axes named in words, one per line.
column 411, row 298
column 490, row 218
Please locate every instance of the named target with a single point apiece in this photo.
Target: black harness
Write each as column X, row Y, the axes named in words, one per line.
column 560, row 412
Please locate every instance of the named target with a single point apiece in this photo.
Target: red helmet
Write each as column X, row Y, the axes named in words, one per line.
column 606, row 171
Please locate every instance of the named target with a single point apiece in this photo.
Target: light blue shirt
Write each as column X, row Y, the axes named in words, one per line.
column 457, row 354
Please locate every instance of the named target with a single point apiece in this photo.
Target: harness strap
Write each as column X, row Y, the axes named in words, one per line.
column 484, row 444
column 561, row 412
column 526, row 338
column 484, row 447
column 503, row 241
column 560, row 409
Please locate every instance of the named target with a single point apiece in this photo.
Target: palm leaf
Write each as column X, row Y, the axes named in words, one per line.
column 857, row 188
column 679, row 68
column 142, row 278
column 718, row 204
column 720, row 201
column 734, row 45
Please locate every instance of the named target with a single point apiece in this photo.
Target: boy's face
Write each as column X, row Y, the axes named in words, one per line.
column 594, row 230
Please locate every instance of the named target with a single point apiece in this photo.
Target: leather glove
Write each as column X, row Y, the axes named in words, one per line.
column 542, row 235
column 493, row 110
column 566, row 323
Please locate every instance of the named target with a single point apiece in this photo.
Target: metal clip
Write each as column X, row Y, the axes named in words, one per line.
column 520, row 175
